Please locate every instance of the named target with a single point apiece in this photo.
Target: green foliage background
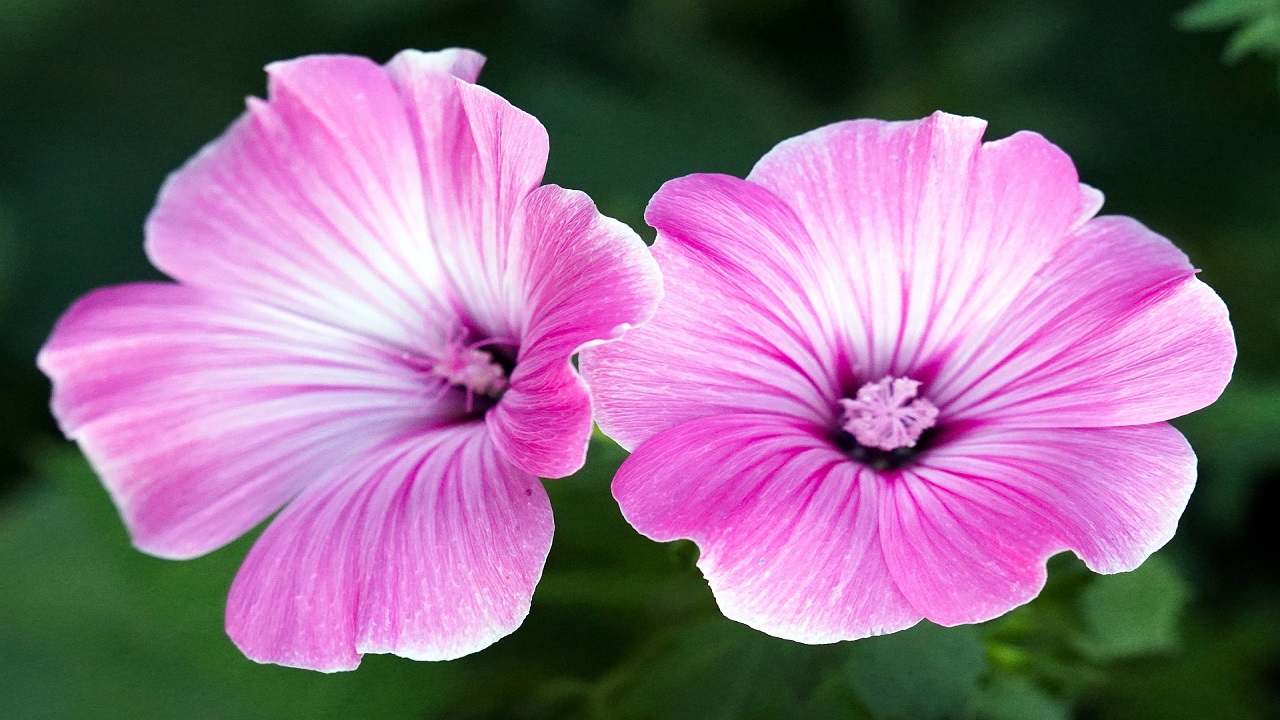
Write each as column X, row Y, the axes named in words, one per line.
column 100, row 99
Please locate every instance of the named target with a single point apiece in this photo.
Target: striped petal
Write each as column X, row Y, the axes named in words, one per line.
column 429, row 550
column 204, row 413
column 787, row 526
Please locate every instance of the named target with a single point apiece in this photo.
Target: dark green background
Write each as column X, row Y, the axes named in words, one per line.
column 100, row 99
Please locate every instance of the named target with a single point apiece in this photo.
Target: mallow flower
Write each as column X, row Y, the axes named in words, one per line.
column 372, row 327
column 896, row 369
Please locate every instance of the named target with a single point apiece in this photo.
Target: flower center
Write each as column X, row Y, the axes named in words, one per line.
column 480, row 369
column 887, row 414
column 472, row 369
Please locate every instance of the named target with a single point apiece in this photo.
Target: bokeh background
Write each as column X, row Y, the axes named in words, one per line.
column 1174, row 114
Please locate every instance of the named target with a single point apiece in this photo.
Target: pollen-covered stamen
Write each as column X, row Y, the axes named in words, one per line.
column 887, row 414
column 472, row 369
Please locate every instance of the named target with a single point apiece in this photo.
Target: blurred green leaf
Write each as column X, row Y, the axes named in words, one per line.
column 918, row 674
column 1261, row 37
column 834, row 699
column 1235, row 440
column 715, row 670
column 600, row 561
column 1225, row 671
column 1258, row 20
column 1222, row 14
column 1134, row 613
column 1013, row 698
column 91, row 628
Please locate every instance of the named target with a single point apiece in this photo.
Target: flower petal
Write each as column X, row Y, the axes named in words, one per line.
column 1115, row 330
column 312, row 201
column 480, row 157
column 786, row 523
column 926, row 233
column 430, row 550
column 737, row 333
column 967, row 531
column 461, row 63
column 204, row 413
column 587, row 279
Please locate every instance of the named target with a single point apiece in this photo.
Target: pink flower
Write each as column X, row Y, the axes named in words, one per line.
column 373, row 325
column 897, row 369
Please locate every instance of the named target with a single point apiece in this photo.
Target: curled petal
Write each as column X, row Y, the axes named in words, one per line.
column 588, row 279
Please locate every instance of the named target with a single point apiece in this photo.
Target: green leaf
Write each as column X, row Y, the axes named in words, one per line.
column 715, row 670
column 1134, row 613
column 1258, row 21
column 1234, row 438
column 918, row 674
column 599, row 561
column 1261, row 36
column 1219, row 14
column 89, row 627
column 1014, row 698
column 1225, row 671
